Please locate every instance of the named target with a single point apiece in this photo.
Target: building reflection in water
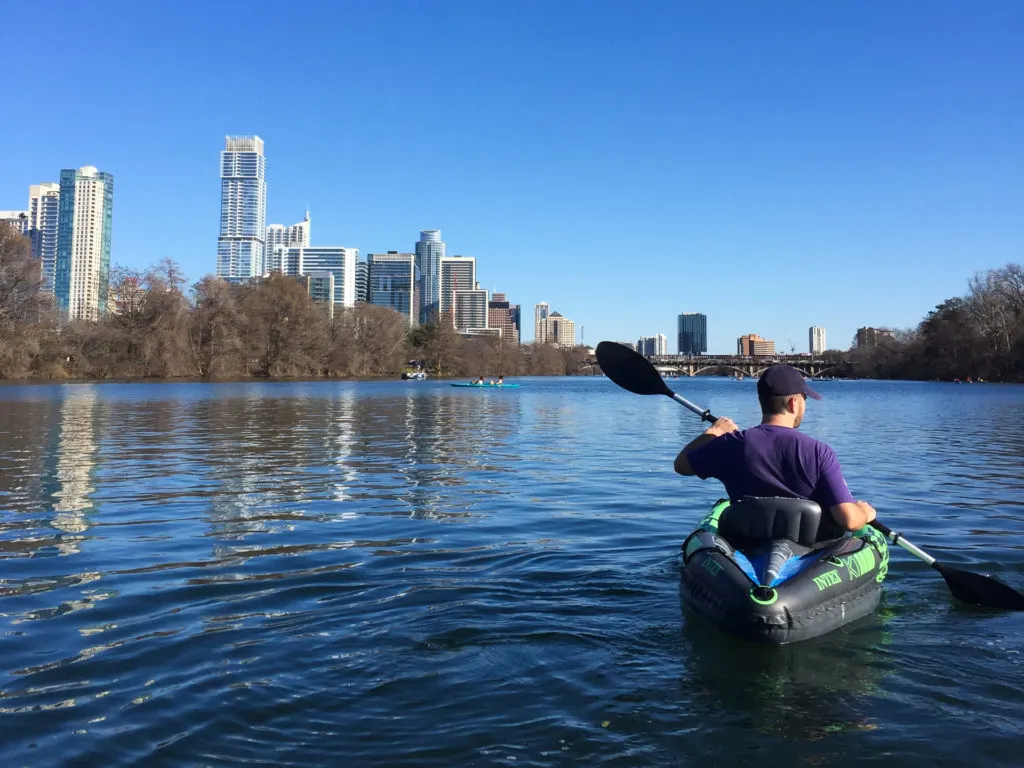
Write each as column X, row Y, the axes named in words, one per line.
column 447, row 437
column 48, row 461
column 77, row 447
column 341, row 439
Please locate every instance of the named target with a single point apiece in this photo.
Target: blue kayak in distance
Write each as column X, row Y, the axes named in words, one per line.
column 488, row 386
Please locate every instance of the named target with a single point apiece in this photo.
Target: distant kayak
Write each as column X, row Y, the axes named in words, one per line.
column 488, row 386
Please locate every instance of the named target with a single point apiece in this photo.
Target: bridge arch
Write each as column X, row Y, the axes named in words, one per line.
column 717, row 367
column 827, row 370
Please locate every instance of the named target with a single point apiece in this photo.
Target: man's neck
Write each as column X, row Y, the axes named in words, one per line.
column 778, row 420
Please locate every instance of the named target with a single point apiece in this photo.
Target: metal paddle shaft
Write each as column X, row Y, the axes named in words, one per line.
column 972, row 588
column 634, row 372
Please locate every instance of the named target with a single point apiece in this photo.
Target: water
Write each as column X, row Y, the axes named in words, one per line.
column 403, row 573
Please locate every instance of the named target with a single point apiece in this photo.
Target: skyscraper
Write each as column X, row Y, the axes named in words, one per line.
column 469, row 312
column 43, row 212
column 816, row 340
column 429, row 252
column 339, row 261
column 560, row 331
column 652, row 345
column 362, row 282
column 280, row 236
column 870, row 337
column 458, row 273
column 540, row 322
column 241, row 250
column 753, row 345
column 393, row 281
column 692, row 333
column 501, row 314
column 84, row 219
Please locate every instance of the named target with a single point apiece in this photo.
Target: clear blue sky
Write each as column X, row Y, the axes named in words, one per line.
column 773, row 165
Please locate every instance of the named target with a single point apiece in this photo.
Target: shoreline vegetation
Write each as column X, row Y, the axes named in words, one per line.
column 159, row 330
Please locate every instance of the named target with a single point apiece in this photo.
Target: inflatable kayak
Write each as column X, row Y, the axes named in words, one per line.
column 776, row 571
column 487, row 386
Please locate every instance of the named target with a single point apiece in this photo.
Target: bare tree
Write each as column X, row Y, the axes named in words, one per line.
column 217, row 329
column 440, row 347
column 25, row 312
column 368, row 340
column 287, row 333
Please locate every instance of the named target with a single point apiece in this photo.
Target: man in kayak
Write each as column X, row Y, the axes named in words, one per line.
column 774, row 458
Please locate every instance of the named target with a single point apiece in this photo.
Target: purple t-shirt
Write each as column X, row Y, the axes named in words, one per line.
column 768, row 460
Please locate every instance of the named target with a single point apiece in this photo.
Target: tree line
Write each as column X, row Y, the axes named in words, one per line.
column 977, row 335
column 159, row 328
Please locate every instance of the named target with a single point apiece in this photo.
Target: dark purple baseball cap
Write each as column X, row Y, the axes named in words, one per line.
column 783, row 380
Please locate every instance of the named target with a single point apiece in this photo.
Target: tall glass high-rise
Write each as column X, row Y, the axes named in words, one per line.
column 394, row 281
column 692, row 333
column 429, row 252
column 241, row 246
column 84, row 222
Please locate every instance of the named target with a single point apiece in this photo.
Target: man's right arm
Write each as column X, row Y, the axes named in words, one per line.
column 682, row 464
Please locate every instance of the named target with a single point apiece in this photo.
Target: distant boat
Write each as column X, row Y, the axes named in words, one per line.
column 486, row 386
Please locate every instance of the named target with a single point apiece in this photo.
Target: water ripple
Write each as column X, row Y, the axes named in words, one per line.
column 405, row 574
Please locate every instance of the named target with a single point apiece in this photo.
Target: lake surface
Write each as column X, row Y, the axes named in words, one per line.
column 404, row 573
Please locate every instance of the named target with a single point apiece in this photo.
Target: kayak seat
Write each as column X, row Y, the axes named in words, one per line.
column 754, row 519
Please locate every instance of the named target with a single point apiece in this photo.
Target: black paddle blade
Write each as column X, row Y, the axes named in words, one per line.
column 630, row 370
column 975, row 589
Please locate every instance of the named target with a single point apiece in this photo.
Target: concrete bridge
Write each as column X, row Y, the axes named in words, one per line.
column 731, row 365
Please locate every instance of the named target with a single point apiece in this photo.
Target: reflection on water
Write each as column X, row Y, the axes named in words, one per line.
column 408, row 574
column 803, row 692
column 77, row 444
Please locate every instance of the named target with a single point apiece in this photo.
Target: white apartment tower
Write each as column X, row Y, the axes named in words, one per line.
column 337, row 260
column 241, row 246
column 43, row 210
column 653, row 345
column 280, row 236
column 458, row 273
column 816, row 340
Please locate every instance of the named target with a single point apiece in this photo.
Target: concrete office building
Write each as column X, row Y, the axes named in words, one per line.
column 816, row 340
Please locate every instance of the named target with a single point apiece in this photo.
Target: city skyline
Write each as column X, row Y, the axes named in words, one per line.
column 287, row 249
column 283, row 248
column 839, row 172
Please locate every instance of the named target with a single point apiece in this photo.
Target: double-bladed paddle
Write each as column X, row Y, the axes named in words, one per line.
column 635, row 373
